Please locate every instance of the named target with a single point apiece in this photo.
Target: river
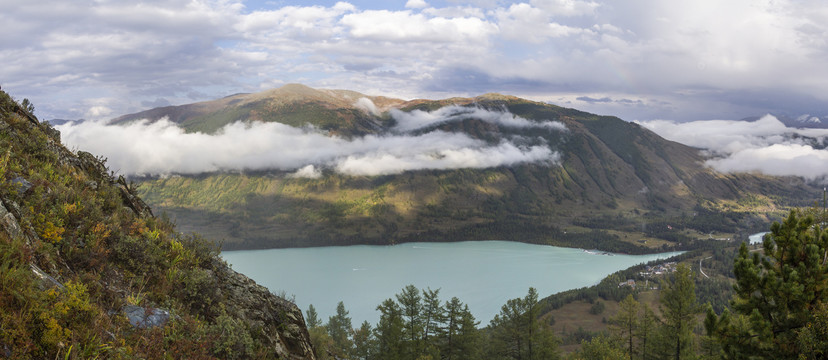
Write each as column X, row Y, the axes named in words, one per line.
column 482, row 274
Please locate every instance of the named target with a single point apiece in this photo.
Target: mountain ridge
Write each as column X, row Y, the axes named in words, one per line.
column 634, row 181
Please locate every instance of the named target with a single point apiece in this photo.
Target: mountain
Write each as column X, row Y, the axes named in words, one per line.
column 801, row 121
column 293, row 104
column 615, row 186
column 89, row 272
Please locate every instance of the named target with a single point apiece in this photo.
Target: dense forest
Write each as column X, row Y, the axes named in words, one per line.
column 776, row 308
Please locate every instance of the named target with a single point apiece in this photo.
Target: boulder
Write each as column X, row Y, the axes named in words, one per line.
column 143, row 318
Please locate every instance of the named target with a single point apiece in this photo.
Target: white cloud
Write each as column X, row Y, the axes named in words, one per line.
column 722, row 136
column 566, row 7
column 309, row 171
column 766, row 146
column 523, row 22
column 384, row 25
column 418, row 119
column 383, row 163
column 776, row 159
column 367, row 105
column 699, row 58
column 163, row 148
column 416, row 4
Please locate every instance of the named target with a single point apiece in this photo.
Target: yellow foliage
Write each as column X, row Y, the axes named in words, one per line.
column 53, row 333
column 51, row 233
column 46, row 229
column 70, row 209
column 138, row 227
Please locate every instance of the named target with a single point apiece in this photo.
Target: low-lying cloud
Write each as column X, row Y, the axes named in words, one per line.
column 419, row 119
column 161, row 147
column 767, row 145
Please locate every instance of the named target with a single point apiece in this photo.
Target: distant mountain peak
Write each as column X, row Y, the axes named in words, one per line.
column 807, row 118
column 496, row 97
column 801, row 121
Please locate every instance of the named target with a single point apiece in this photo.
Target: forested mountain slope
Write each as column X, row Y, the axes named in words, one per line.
column 610, row 184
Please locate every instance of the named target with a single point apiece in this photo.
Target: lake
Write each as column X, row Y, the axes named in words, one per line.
column 482, row 274
column 757, row 238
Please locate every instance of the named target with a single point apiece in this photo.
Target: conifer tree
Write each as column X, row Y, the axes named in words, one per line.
column 646, row 332
column 468, row 338
column 600, row 348
column 518, row 333
column 312, row 317
column 625, row 323
column 433, row 318
column 411, row 305
column 339, row 328
column 460, row 336
column 364, row 342
column 679, row 309
column 389, row 331
column 777, row 292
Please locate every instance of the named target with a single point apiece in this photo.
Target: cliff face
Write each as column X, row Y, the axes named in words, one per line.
column 88, row 271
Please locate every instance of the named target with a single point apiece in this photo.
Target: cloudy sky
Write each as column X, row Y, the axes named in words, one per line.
column 638, row 59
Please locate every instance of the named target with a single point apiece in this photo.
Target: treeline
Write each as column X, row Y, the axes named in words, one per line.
column 671, row 229
column 415, row 324
column 715, row 291
column 512, row 228
column 777, row 309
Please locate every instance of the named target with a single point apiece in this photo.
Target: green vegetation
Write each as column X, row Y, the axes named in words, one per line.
column 781, row 294
column 78, row 248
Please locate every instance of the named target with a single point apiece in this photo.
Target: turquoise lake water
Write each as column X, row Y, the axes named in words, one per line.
column 756, row 238
column 482, row 274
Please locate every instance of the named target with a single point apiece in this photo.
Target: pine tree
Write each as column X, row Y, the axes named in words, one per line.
column 509, row 336
column 339, row 328
column 468, row 339
column 679, row 309
column 322, row 342
column 646, row 332
column 364, row 342
column 411, row 305
column 813, row 338
column 389, row 331
column 433, row 318
column 625, row 322
column 312, row 320
column 517, row 332
column 777, row 293
column 600, row 348
column 530, row 303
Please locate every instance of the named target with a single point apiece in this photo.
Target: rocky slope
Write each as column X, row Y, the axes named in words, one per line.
column 617, row 186
column 88, row 271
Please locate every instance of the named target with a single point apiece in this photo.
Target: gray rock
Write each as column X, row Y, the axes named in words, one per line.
column 21, row 184
column 46, row 280
column 143, row 318
column 8, row 223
